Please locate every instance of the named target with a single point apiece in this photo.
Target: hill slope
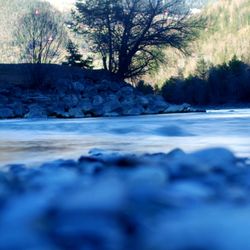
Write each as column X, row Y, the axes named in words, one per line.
column 228, row 31
column 10, row 12
column 227, row 34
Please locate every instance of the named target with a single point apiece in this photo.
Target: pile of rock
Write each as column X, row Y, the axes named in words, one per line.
column 67, row 99
column 111, row 201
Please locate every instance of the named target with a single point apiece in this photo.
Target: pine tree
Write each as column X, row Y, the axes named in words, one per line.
column 202, row 68
column 75, row 59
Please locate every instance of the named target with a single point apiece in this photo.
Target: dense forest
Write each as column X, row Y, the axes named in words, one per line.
column 221, row 84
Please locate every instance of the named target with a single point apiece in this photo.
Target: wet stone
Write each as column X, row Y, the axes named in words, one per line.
column 116, row 201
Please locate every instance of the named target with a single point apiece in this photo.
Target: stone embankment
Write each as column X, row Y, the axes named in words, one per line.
column 79, row 99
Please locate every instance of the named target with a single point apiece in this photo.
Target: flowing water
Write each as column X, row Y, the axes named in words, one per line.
column 35, row 141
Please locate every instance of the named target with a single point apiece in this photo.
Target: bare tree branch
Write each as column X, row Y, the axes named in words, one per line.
column 128, row 33
column 40, row 35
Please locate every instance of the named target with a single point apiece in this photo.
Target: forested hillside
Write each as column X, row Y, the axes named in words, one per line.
column 199, row 3
column 228, row 31
column 227, row 34
column 10, row 12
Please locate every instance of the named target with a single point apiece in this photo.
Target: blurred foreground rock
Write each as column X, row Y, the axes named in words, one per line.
column 112, row 201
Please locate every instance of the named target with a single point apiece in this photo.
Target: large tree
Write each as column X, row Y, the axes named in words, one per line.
column 130, row 34
column 40, row 34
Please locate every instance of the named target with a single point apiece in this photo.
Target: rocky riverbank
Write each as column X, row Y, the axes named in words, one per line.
column 78, row 99
column 111, row 201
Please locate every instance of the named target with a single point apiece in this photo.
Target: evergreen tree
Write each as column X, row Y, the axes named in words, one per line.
column 75, row 59
column 202, row 69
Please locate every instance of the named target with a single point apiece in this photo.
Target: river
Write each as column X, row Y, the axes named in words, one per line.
column 35, row 141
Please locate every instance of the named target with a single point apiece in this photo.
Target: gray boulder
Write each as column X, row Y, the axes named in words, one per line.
column 112, row 105
column 111, row 97
column 126, row 91
column 78, row 86
column 36, row 112
column 97, row 100
column 137, row 110
column 6, row 113
column 75, row 113
column 3, row 99
column 157, row 104
column 142, row 100
column 57, row 109
column 97, row 111
column 70, row 101
column 102, row 86
column 111, row 86
column 128, row 102
column 111, row 114
column 18, row 108
column 149, row 111
column 62, row 86
column 90, row 90
column 179, row 108
column 85, row 105
column 36, row 98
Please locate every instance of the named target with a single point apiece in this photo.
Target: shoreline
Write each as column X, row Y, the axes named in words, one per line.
column 183, row 109
column 224, row 106
column 193, row 110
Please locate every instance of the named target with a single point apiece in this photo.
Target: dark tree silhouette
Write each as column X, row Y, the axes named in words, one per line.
column 130, row 34
column 40, row 34
column 75, row 59
column 222, row 84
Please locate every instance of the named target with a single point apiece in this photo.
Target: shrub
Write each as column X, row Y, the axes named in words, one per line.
column 144, row 88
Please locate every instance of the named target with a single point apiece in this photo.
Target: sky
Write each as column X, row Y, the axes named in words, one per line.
column 62, row 4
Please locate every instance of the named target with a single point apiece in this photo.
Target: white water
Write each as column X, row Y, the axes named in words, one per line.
column 33, row 142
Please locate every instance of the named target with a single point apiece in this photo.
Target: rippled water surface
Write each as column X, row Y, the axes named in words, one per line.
column 32, row 142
